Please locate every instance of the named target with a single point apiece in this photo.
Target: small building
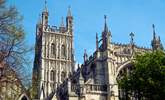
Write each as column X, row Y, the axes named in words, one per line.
column 11, row 86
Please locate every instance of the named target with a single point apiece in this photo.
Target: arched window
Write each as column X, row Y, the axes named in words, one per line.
column 63, row 51
column 52, row 75
column 63, row 75
column 53, row 49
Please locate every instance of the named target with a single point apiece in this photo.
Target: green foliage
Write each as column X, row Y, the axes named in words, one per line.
column 147, row 78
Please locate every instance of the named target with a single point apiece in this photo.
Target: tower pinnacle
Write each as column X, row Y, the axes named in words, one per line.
column 45, row 6
column 45, row 15
column 85, row 56
column 156, row 42
column 69, row 11
column 132, row 41
column 154, row 34
column 105, row 25
column 132, row 38
column 106, row 35
column 97, row 42
column 69, row 20
column 62, row 22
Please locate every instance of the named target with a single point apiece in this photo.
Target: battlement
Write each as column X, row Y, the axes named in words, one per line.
column 55, row 29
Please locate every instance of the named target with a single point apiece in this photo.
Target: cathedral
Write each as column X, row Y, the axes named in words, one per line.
column 54, row 74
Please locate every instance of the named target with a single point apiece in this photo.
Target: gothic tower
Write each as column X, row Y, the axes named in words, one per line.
column 105, row 68
column 54, row 55
column 106, row 34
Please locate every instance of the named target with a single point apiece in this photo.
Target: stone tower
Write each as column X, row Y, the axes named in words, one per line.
column 105, row 68
column 54, row 55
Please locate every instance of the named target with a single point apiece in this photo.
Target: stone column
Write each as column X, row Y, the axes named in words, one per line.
column 112, row 86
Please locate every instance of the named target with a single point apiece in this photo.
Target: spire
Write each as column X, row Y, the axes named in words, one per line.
column 85, row 56
column 69, row 11
column 62, row 22
column 106, row 35
column 45, row 6
column 161, row 46
column 105, row 25
column 132, row 38
column 156, row 42
column 62, row 27
column 45, row 14
column 159, row 38
column 69, row 20
column 154, row 34
column 132, row 42
column 153, row 42
column 97, row 42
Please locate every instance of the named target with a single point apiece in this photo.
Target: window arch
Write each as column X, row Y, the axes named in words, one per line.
column 52, row 75
column 53, row 49
column 63, row 75
column 63, row 51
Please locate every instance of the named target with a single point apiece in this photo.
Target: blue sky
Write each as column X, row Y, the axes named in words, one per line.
column 124, row 16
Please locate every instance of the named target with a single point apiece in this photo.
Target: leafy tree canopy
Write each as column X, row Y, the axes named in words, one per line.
column 147, row 78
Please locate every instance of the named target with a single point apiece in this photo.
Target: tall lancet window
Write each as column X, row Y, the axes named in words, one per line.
column 63, row 76
column 53, row 49
column 63, row 51
column 52, row 75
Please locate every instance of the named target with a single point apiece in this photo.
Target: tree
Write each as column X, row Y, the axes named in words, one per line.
column 13, row 49
column 147, row 78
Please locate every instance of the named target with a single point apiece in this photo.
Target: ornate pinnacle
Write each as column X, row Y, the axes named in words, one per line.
column 154, row 34
column 97, row 42
column 62, row 22
column 69, row 11
column 46, row 9
column 105, row 26
column 132, row 37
